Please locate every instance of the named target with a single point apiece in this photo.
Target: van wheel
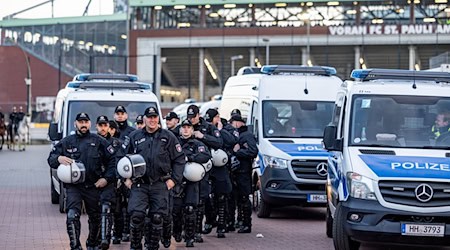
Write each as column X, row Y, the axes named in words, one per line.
column 54, row 194
column 341, row 239
column 62, row 199
column 329, row 223
column 263, row 209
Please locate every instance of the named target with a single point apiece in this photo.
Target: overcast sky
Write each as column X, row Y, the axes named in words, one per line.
column 61, row 8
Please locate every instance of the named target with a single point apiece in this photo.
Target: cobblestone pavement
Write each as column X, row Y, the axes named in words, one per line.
column 28, row 220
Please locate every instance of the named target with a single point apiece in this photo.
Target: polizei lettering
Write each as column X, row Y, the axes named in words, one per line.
column 421, row 165
column 309, row 148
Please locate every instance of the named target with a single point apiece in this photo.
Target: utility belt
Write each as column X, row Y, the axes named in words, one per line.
column 148, row 180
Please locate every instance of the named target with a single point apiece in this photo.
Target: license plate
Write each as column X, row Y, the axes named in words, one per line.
column 317, row 198
column 434, row 230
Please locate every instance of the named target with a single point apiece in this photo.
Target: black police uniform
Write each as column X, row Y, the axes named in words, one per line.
column 212, row 140
column 94, row 152
column 108, row 193
column 168, row 220
column 195, row 151
column 220, row 176
column 13, row 124
column 121, row 225
column 165, row 159
column 242, row 176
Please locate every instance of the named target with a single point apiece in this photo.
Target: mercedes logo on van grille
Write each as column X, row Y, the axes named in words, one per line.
column 424, row 192
column 322, row 169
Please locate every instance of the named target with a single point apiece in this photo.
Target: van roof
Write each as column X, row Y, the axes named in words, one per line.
column 282, row 86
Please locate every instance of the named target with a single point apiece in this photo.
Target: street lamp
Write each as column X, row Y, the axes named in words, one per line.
column 234, row 58
column 267, row 40
column 27, row 79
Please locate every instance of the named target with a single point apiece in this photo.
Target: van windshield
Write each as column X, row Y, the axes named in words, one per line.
column 96, row 108
column 295, row 119
column 400, row 121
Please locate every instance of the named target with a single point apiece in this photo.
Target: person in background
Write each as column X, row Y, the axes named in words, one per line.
column 139, row 122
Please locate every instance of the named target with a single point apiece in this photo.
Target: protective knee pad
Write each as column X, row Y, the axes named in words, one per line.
column 137, row 219
column 136, row 227
column 157, row 219
column 72, row 215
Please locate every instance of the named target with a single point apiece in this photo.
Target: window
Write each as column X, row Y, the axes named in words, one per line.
column 295, row 119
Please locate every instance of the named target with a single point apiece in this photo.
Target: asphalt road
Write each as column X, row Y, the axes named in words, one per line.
column 28, row 220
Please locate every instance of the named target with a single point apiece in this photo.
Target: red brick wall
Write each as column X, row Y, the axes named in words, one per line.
column 13, row 71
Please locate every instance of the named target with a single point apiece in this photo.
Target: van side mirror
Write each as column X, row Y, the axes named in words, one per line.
column 53, row 132
column 329, row 139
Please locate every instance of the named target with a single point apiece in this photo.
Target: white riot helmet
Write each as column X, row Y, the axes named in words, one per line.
column 193, row 171
column 131, row 166
column 208, row 165
column 219, row 157
column 74, row 173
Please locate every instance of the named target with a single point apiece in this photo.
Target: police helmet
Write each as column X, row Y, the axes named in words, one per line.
column 131, row 165
column 193, row 171
column 208, row 165
column 219, row 157
column 74, row 173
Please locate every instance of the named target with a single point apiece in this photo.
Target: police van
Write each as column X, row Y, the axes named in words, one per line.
column 286, row 107
column 389, row 169
column 95, row 94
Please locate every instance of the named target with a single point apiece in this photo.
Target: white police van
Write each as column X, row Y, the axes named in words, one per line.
column 287, row 107
column 388, row 174
column 95, row 94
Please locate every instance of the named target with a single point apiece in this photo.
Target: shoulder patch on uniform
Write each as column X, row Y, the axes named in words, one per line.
column 236, row 133
column 201, row 149
column 217, row 133
column 164, row 139
column 178, row 147
column 110, row 149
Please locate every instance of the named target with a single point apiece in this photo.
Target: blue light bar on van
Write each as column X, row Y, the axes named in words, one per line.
column 109, row 85
column 298, row 69
column 399, row 74
column 116, row 77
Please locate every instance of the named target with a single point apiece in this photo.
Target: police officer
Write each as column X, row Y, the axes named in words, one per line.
column 121, row 117
column 245, row 151
column 121, row 229
column 107, row 193
column 94, row 152
column 210, row 136
column 165, row 164
column 172, row 121
column 441, row 124
column 139, row 122
column 197, row 152
column 221, row 183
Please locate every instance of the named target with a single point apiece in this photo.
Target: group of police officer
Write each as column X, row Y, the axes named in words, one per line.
column 156, row 183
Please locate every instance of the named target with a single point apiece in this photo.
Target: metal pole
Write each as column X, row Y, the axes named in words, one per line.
column 267, row 53
column 232, row 67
